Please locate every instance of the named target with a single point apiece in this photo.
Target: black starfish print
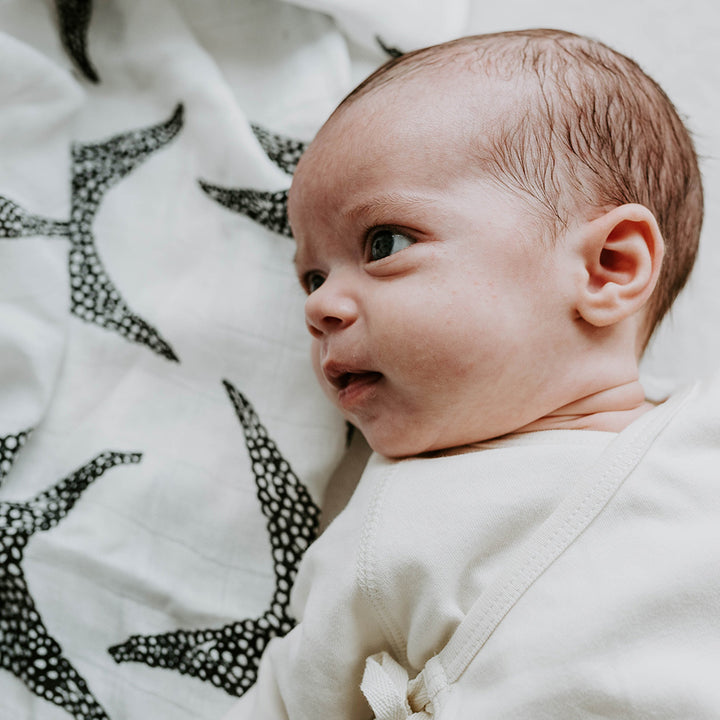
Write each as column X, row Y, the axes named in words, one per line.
column 74, row 20
column 267, row 208
column 96, row 167
column 9, row 448
column 26, row 648
column 15, row 222
column 228, row 657
column 285, row 152
column 389, row 50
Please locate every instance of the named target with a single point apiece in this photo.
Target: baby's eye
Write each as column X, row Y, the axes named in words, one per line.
column 386, row 242
column 312, row 281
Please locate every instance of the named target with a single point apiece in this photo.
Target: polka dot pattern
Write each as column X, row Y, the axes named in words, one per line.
column 26, row 648
column 9, row 447
column 267, row 208
column 95, row 168
column 228, row 657
column 292, row 516
column 15, row 222
column 285, row 152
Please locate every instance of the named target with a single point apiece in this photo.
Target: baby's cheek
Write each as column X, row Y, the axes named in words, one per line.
column 429, row 336
column 316, row 364
column 315, row 358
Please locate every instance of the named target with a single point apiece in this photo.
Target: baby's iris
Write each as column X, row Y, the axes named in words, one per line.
column 386, row 242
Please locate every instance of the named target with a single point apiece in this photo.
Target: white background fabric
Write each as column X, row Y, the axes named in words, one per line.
column 178, row 540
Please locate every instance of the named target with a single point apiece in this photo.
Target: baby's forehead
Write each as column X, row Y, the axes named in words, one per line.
column 388, row 131
column 444, row 116
column 445, row 105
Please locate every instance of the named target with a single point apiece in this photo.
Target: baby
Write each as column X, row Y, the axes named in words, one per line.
column 488, row 232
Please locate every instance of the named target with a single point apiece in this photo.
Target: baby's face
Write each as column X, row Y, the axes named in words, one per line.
column 433, row 305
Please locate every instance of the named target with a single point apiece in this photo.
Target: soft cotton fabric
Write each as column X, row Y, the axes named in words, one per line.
column 164, row 446
column 555, row 574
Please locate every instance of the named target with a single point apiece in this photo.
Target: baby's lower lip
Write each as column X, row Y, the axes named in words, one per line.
column 356, row 387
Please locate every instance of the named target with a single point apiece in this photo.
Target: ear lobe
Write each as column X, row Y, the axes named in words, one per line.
column 622, row 251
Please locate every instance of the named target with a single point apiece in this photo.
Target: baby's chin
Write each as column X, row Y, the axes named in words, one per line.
column 410, row 444
column 390, row 447
column 397, row 442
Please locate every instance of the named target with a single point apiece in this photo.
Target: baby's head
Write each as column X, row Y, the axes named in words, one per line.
column 481, row 228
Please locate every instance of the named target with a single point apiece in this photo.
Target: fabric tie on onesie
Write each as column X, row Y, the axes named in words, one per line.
column 393, row 696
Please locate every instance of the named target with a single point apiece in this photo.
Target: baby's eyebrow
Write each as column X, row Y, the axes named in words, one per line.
column 376, row 209
column 387, row 202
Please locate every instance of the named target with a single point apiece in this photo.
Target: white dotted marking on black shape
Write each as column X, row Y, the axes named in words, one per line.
column 26, row 648
column 10, row 445
column 269, row 209
column 11, row 219
column 15, row 222
column 228, row 657
column 292, row 515
column 284, row 151
column 96, row 167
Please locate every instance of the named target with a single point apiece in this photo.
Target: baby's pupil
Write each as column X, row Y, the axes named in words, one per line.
column 316, row 281
column 382, row 245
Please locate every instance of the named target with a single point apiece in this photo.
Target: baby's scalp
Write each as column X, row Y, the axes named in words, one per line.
column 583, row 130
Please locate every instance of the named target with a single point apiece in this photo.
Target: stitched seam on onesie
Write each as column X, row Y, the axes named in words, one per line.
column 366, row 566
column 530, row 568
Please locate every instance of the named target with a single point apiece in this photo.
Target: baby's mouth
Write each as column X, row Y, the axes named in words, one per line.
column 355, row 389
column 352, row 385
column 348, row 379
column 348, row 383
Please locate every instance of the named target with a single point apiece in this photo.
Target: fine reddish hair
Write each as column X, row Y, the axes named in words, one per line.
column 595, row 132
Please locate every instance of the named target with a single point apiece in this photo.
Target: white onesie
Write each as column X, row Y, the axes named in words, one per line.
column 557, row 574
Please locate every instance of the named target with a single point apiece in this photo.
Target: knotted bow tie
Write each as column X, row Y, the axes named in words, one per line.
column 393, row 696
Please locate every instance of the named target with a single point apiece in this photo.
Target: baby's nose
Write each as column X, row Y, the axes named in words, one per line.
column 330, row 308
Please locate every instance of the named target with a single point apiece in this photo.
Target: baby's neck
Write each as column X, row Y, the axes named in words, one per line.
column 610, row 410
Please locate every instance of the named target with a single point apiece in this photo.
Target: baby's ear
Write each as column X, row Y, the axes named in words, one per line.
column 622, row 251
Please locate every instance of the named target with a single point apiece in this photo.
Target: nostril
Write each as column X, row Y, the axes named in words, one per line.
column 329, row 308
column 328, row 323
